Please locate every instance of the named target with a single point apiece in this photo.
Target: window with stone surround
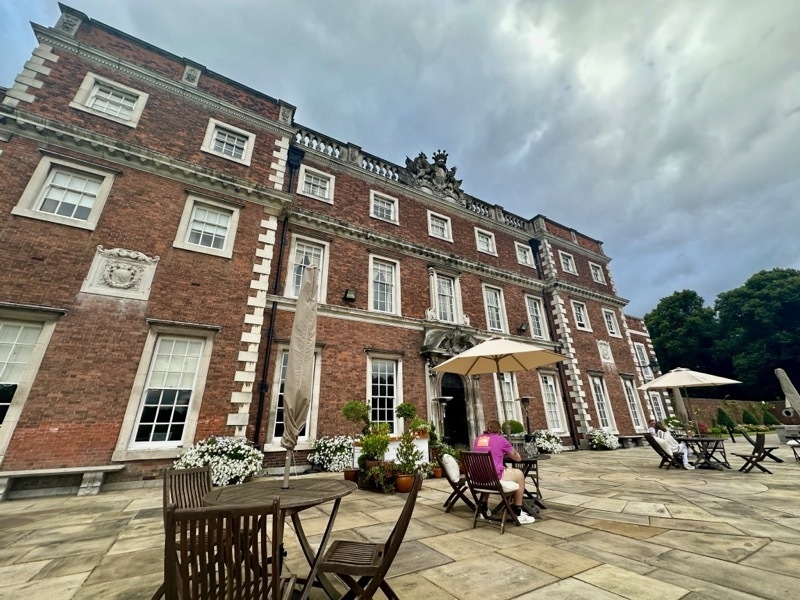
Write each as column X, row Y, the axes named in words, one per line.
column 383, row 207
column 506, row 392
column 495, row 309
column 610, row 319
column 538, row 325
column 445, row 290
column 553, row 411
column 597, row 273
column 384, row 290
column 66, row 191
column 316, row 184
column 304, row 252
column 111, row 100
column 384, row 388
column 439, row 226
column 656, row 404
column 643, row 361
column 524, row 255
column 633, row 404
column 228, row 142
column 581, row 315
column 277, row 414
column 605, row 416
column 24, row 337
column 567, row 263
column 485, row 241
column 207, row 226
column 164, row 405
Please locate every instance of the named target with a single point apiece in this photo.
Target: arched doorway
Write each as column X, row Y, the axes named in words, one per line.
column 456, row 429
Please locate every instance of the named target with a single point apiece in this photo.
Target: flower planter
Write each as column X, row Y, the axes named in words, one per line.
column 351, row 474
column 403, row 483
column 437, row 472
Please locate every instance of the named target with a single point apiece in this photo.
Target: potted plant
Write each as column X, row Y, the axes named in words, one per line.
column 374, row 445
column 357, row 411
column 334, row 454
column 547, row 442
column 407, row 464
column 600, row 439
column 233, row 460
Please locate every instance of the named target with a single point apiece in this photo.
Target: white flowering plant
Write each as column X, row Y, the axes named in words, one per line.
column 232, row 459
column 547, row 442
column 600, row 439
column 332, row 453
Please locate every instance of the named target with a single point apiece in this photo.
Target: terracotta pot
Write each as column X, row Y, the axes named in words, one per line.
column 372, row 463
column 437, row 472
column 351, row 474
column 403, row 483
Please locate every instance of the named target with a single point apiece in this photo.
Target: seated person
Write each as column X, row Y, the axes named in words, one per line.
column 498, row 446
column 674, row 446
column 651, row 427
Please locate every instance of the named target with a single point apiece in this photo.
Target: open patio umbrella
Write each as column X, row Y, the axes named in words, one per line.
column 499, row 355
column 792, row 398
column 300, row 366
column 684, row 378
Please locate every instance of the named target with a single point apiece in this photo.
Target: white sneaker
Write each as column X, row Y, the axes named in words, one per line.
column 688, row 467
column 525, row 519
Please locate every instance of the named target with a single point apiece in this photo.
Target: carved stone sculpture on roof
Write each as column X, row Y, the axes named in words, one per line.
column 434, row 177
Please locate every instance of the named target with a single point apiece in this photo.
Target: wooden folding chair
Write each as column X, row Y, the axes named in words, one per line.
column 755, row 457
column 184, row 488
column 369, row 562
column 224, row 552
column 670, row 460
column 768, row 450
column 483, row 482
column 457, row 482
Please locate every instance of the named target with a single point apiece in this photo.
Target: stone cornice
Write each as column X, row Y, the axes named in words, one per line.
column 556, row 286
column 52, row 37
column 568, row 244
column 360, row 234
column 49, row 132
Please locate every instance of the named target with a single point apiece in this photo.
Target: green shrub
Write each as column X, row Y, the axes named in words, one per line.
column 749, row 419
column 770, row 419
column 406, row 410
column 724, row 419
column 514, row 427
column 357, row 411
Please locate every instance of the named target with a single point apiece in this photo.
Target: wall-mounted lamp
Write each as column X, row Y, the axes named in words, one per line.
column 349, row 295
column 523, row 327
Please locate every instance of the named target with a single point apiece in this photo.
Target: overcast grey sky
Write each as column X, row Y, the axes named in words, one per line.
column 668, row 130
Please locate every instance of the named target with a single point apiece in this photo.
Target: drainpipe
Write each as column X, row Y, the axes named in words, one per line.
column 293, row 161
column 534, row 243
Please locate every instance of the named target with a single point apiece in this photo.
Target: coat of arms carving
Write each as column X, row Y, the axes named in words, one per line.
column 435, row 176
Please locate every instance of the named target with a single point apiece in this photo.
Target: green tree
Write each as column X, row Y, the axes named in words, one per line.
column 759, row 330
column 683, row 332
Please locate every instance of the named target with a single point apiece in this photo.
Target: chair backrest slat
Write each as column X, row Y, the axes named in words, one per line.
column 226, row 553
column 185, row 488
column 758, row 445
column 480, row 471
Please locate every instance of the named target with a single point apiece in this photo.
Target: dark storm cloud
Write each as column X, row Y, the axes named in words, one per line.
column 670, row 130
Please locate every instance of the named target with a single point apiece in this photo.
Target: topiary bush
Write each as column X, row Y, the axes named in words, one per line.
column 724, row 419
column 749, row 419
column 514, row 427
column 770, row 419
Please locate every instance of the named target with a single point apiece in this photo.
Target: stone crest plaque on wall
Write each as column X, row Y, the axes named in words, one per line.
column 120, row 272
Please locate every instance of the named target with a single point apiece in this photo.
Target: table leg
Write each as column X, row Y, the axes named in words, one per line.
column 313, row 559
column 533, row 472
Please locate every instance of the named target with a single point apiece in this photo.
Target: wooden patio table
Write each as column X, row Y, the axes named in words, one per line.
column 529, row 465
column 300, row 495
column 707, row 449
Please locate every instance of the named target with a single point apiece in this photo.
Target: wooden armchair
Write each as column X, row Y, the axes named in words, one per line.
column 457, row 482
column 224, row 552
column 369, row 562
column 755, row 457
column 670, row 460
column 483, row 482
column 768, row 450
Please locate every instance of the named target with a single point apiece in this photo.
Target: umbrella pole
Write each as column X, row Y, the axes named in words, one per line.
column 287, row 467
column 506, row 424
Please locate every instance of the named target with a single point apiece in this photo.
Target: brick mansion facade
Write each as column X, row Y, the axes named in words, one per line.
column 155, row 221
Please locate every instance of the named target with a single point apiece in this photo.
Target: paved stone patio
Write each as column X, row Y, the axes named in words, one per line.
column 616, row 527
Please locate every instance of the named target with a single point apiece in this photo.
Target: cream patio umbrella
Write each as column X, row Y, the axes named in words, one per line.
column 681, row 377
column 499, row 355
column 300, row 366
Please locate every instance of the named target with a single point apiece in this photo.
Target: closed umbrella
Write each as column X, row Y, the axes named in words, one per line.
column 300, row 366
column 792, row 398
column 499, row 355
column 684, row 378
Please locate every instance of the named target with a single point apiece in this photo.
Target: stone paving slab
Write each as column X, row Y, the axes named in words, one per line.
column 617, row 527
